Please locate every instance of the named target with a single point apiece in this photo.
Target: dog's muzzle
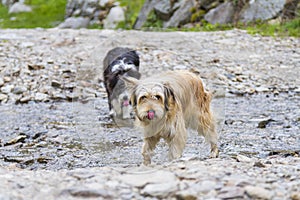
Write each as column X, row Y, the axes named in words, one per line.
column 150, row 114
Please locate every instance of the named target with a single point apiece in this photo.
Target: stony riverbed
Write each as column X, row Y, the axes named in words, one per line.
column 57, row 140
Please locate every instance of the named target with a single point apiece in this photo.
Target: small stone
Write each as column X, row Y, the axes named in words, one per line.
column 82, row 192
column 259, row 164
column 242, row 158
column 145, row 177
column 15, row 140
column 1, row 82
column 3, row 97
column 19, row 89
column 7, row 89
column 264, row 123
column 160, row 190
column 19, row 7
column 25, row 99
column 7, row 79
column 258, row 192
column 55, row 83
column 40, row 97
column 75, row 23
column 231, row 193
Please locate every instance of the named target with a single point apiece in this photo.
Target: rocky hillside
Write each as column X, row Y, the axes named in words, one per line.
column 109, row 14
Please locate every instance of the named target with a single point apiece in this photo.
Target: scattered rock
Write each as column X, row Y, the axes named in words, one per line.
column 182, row 15
column 1, row 82
column 81, row 192
column 261, row 10
column 231, row 193
column 258, row 192
column 142, row 178
column 41, row 96
column 223, row 14
column 75, row 23
column 264, row 123
column 7, row 89
column 18, row 139
column 19, row 7
column 259, row 164
column 242, row 158
column 19, row 89
column 160, row 190
column 3, row 97
column 145, row 11
column 55, row 83
column 115, row 16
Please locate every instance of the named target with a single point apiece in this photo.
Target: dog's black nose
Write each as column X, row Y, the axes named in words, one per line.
column 125, row 98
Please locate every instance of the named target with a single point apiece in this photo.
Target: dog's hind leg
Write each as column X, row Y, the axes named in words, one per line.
column 148, row 147
column 207, row 129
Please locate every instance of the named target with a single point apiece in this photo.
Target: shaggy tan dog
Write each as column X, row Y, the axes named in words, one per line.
column 165, row 105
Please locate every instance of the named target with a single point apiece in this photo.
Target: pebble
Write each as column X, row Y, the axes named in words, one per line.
column 242, row 158
column 258, row 192
column 40, row 97
column 7, row 89
column 1, row 82
column 3, row 97
column 19, row 89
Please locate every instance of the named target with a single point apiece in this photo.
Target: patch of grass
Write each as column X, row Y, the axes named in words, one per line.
column 45, row 14
column 284, row 29
column 132, row 9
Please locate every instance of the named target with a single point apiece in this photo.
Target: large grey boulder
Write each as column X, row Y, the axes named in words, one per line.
column 75, row 23
column 115, row 16
column 145, row 11
column 163, row 9
column 182, row 15
column 19, row 7
column 261, row 10
column 223, row 14
column 8, row 3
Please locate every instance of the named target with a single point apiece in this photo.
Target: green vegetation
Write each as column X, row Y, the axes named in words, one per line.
column 46, row 14
column 49, row 13
column 132, row 9
column 289, row 28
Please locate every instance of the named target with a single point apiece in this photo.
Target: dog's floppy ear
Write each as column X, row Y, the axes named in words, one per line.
column 168, row 93
column 131, row 84
column 133, row 100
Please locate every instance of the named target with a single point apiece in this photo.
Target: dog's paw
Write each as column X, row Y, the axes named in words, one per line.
column 214, row 153
column 112, row 113
column 147, row 162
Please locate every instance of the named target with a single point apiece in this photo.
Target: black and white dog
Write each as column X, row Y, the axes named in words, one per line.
column 119, row 62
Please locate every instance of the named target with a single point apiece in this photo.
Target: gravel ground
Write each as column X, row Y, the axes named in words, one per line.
column 58, row 142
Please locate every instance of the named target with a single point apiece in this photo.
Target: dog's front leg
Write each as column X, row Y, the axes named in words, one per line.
column 148, row 147
column 177, row 140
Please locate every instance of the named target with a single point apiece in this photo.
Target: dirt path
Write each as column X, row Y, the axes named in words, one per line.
column 56, row 139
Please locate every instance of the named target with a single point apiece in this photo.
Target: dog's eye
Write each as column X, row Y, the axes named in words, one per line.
column 157, row 97
column 142, row 98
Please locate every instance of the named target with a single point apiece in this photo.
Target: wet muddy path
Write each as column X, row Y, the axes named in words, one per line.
column 71, row 135
column 55, row 129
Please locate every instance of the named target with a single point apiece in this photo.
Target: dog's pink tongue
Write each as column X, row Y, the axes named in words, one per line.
column 151, row 114
column 126, row 103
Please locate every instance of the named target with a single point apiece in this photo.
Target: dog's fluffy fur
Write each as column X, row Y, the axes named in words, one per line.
column 117, row 63
column 165, row 105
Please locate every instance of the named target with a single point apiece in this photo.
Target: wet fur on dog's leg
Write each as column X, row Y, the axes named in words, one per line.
column 177, row 138
column 148, row 147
